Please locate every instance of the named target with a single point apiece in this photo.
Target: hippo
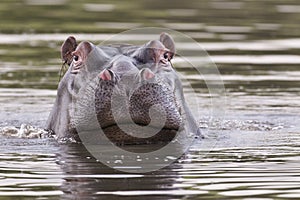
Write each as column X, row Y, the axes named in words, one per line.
column 134, row 93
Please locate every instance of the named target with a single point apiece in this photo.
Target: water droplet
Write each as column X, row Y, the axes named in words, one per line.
column 171, row 157
column 118, row 162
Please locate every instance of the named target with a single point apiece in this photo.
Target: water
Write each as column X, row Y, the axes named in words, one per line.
column 251, row 152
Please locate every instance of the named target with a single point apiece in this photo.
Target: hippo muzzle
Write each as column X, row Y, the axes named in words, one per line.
column 137, row 108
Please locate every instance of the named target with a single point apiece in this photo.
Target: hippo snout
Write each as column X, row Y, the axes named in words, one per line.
column 132, row 106
column 156, row 99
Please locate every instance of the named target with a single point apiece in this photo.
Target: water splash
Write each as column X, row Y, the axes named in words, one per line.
column 241, row 125
column 24, row 131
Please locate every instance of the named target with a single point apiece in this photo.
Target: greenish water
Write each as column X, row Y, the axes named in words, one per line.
column 250, row 153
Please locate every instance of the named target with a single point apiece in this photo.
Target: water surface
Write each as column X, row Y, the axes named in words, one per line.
column 250, row 152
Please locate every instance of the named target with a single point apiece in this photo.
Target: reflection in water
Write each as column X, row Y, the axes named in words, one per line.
column 252, row 152
column 233, row 167
column 86, row 178
column 247, row 168
column 28, row 168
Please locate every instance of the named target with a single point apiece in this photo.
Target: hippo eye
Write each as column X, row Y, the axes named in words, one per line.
column 75, row 58
column 166, row 55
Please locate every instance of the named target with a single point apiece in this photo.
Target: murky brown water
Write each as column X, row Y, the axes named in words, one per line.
column 251, row 152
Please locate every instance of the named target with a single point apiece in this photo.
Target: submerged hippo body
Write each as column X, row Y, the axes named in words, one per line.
column 133, row 92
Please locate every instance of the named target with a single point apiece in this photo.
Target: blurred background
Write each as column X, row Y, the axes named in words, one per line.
column 255, row 45
column 33, row 30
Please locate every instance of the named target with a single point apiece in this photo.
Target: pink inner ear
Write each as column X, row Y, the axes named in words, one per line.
column 105, row 75
column 147, row 74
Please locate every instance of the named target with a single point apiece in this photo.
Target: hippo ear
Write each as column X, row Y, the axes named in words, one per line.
column 169, row 43
column 67, row 48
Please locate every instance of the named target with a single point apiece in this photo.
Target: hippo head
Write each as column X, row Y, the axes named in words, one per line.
column 131, row 93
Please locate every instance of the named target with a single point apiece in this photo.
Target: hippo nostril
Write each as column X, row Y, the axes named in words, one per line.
column 106, row 75
column 112, row 74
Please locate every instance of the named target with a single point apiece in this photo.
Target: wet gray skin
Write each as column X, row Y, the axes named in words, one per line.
column 134, row 92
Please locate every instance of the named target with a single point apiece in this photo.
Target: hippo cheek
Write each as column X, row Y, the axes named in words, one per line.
column 158, row 99
column 103, row 95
